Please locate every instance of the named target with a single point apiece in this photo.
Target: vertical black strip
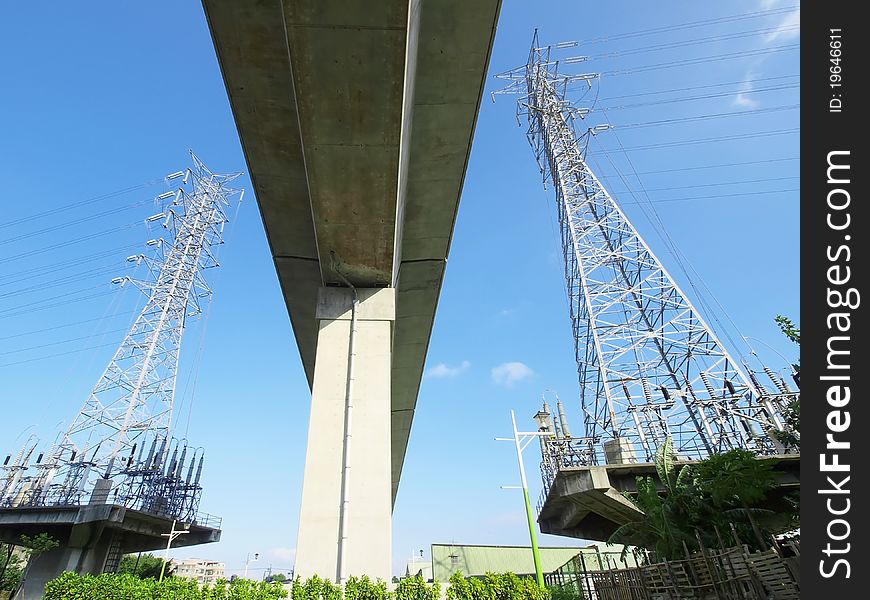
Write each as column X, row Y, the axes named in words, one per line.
column 834, row 230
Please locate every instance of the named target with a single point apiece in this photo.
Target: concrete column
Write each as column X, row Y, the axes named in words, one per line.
column 49, row 565
column 368, row 527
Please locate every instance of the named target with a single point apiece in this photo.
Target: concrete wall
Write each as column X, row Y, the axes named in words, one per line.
column 369, row 481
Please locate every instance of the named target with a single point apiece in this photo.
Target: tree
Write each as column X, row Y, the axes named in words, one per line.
column 735, row 482
column 698, row 501
column 143, row 566
column 10, row 567
column 791, row 437
column 670, row 519
column 790, row 330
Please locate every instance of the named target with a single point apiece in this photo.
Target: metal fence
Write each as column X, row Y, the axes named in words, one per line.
column 721, row 574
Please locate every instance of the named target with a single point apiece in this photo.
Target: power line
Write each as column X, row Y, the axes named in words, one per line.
column 724, row 138
column 68, row 243
column 721, row 165
column 64, row 326
column 73, row 205
column 59, row 266
column 710, row 116
column 692, row 24
column 718, row 184
column 25, row 309
column 694, row 42
column 774, row 88
column 78, row 221
column 701, row 60
column 105, row 270
column 47, row 356
column 58, row 343
column 700, row 87
column 757, row 193
column 671, row 245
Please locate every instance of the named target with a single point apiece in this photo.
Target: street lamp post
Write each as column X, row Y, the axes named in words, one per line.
column 248, row 560
column 173, row 533
column 522, row 439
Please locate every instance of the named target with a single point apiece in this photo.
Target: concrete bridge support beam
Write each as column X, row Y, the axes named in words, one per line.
column 345, row 521
column 51, row 564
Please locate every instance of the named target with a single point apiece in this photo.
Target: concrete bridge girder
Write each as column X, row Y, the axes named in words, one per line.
column 356, row 119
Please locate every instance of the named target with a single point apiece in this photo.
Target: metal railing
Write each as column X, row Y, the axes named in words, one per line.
column 61, row 498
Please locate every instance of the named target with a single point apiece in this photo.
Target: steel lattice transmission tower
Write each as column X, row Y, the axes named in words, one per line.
column 648, row 363
column 130, row 407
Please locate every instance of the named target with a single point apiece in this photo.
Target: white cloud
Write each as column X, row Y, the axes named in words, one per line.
column 442, row 370
column 509, row 373
column 788, row 27
column 741, row 99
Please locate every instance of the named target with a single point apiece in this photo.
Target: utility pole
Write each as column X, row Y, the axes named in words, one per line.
column 521, row 439
column 248, row 560
column 170, row 538
column 650, row 367
column 130, row 407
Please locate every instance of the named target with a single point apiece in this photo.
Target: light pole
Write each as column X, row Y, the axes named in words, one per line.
column 173, row 533
column 522, row 439
column 248, row 560
column 413, row 567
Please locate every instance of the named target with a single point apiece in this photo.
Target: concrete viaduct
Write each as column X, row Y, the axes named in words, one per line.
column 356, row 119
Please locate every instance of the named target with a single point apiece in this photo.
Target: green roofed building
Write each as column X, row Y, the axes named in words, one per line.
column 476, row 560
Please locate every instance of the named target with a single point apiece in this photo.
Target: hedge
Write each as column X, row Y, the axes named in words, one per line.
column 113, row 586
column 495, row 586
column 492, row 586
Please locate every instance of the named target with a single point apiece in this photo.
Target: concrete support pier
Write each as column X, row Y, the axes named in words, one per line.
column 345, row 521
column 90, row 559
column 93, row 536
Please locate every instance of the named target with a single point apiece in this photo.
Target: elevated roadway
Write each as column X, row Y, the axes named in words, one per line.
column 356, row 119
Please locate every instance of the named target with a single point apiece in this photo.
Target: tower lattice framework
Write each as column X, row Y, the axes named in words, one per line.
column 649, row 365
column 122, row 434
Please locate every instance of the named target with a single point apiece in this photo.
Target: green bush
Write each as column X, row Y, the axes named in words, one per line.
column 567, row 592
column 112, row 586
column 364, row 588
column 415, row 588
column 315, row 588
column 495, row 586
column 124, row 586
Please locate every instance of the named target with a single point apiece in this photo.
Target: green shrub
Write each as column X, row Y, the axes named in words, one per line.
column 415, row 588
column 315, row 588
column 113, row 586
column 567, row 592
column 495, row 586
column 363, row 588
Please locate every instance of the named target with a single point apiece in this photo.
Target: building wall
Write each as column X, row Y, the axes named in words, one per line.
column 203, row 571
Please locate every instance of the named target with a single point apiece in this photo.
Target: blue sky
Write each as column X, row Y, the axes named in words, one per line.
column 103, row 97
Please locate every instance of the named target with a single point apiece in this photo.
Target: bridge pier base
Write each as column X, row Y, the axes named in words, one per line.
column 366, row 492
column 49, row 565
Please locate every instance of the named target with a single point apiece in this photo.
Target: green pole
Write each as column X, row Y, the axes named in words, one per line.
column 536, row 554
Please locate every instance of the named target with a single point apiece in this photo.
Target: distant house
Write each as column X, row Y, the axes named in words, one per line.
column 203, row 571
column 477, row 560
